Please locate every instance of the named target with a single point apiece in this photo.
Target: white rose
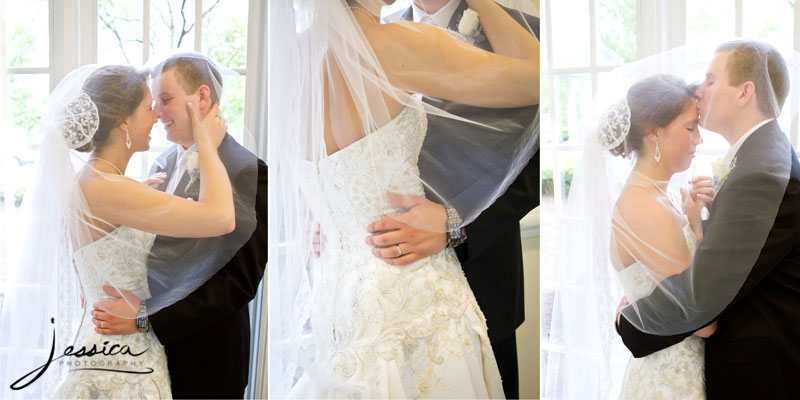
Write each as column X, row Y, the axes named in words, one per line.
column 469, row 22
column 720, row 168
column 193, row 162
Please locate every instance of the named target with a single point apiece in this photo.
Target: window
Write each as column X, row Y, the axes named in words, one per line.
column 574, row 57
column 28, row 83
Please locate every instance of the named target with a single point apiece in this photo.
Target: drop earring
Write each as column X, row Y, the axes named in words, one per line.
column 127, row 139
column 657, row 155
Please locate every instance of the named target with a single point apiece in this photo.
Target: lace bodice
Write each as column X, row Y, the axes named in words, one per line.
column 357, row 177
column 672, row 373
column 382, row 330
column 118, row 259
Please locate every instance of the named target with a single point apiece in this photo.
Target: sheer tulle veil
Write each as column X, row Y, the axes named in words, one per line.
column 322, row 60
column 583, row 356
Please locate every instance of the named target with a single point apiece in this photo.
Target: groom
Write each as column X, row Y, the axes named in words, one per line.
column 206, row 335
column 755, row 352
column 490, row 252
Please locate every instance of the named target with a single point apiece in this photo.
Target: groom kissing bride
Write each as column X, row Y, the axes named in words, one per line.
column 741, row 289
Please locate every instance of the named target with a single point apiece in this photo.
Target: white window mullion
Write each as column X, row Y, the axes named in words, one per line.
column 647, row 28
column 73, row 36
column 661, row 25
column 738, row 18
column 145, row 31
column 593, row 43
column 674, row 24
column 198, row 25
column 42, row 70
column 796, row 43
column 255, row 91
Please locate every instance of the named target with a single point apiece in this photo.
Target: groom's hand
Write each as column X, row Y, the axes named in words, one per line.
column 116, row 317
column 419, row 232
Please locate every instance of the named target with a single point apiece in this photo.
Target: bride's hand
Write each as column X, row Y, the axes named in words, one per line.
column 622, row 304
column 703, row 190
column 212, row 126
column 707, row 331
column 700, row 196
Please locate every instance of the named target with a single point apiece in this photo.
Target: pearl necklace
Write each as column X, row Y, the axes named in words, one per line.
column 359, row 8
column 112, row 165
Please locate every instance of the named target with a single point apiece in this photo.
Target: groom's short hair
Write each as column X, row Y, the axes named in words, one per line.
column 192, row 71
column 762, row 64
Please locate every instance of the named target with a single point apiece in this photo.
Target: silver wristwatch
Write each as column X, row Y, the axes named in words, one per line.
column 141, row 319
column 455, row 233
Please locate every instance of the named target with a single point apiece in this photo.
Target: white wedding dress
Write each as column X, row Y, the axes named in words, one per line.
column 382, row 330
column 672, row 373
column 122, row 256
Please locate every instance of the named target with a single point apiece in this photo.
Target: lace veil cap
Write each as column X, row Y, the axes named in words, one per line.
column 81, row 121
column 614, row 125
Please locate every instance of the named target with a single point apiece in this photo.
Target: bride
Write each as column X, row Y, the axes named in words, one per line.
column 93, row 226
column 349, row 324
column 652, row 233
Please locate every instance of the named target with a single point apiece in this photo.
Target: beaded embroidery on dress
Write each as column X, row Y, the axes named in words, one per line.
column 388, row 331
column 122, row 254
column 672, row 373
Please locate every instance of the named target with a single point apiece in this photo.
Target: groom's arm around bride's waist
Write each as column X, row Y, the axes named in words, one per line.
column 643, row 344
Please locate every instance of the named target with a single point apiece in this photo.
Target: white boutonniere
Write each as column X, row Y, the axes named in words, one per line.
column 469, row 27
column 193, row 167
column 720, row 169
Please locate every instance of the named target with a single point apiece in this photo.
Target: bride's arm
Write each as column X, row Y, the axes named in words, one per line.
column 124, row 201
column 428, row 60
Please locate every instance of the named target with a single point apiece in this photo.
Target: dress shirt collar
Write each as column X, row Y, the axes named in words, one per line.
column 735, row 148
column 440, row 18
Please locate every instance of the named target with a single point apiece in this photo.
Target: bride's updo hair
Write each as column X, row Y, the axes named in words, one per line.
column 654, row 103
column 116, row 90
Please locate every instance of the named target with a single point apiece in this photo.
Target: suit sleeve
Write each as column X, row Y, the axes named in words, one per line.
column 230, row 289
column 781, row 239
column 519, row 199
column 643, row 344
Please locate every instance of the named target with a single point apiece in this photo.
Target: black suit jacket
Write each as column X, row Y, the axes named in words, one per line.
column 492, row 255
column 207, row 334
column 755, row 352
